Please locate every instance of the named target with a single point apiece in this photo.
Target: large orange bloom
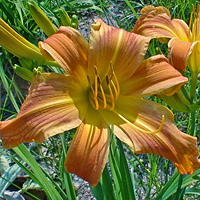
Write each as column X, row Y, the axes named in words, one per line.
column 184, row 44
column 102, row 90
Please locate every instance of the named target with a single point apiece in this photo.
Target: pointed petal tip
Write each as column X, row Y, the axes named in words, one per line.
column 191, row 167
column 88, row 152
column 85, row 175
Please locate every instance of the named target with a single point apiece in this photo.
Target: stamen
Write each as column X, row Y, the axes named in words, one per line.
column 93, row 96
column 102, row 92
column 115, row 79
column 116, row 93
column 117, row 84
column 100, row 97
column 140, row 129
column 111, row 94
column 95, row 80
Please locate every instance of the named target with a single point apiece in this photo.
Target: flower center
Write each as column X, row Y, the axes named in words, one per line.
column 103, row 95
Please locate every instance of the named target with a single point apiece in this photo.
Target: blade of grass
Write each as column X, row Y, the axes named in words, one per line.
column 8, row 87
column 104, row 189
column 126, row 176
column 67, row 177
column 132, row 9
column 114, row 166
column 10, row 174
column 171, row 186
column 98, row 191
column 107, row 186
column 48, row 187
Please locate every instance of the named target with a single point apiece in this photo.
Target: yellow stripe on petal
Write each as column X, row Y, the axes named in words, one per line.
column 89, row 149
column 51, row 107
column 122, row 49
column 153, row 76
column 169, row 142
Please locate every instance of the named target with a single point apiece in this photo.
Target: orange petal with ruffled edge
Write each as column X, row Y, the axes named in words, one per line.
column 178, row 53
column 50, row 108
column 133, row 115
column 154, row 75
column 89, row 149
column 123, row 50
column 156, row 22
column 69, row 48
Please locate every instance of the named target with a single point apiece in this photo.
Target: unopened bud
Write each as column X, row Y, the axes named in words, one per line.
column 24, row 73
column 41, row 19
column 65, row 19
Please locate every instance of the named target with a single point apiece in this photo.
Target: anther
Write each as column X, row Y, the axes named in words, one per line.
column 107, row 80
column 95, row 71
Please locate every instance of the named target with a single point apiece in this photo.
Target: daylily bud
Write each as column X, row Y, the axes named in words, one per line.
column 177, row 101
column 65, row 19
column 41, row 19
column 17, row 45
column 74, row 21
column 24, row 73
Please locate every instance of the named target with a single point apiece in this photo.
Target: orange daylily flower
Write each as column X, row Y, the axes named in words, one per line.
column 184, row 44
column 102, row 90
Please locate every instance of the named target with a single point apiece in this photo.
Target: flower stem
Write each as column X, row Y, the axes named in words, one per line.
column 193, row 86
column 193, row 119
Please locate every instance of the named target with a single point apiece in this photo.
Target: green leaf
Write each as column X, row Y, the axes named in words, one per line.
column 8, row 87
column 126, row 176
column 8, row 177
column 48, row 186
column 192, row 191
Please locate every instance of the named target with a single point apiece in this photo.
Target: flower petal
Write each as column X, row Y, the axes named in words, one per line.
column 50, row 108
column 133, row 109
column 122, row 49
column 156, row 22
column 153, row 76
column 193, row 60
column 69, row 48
column 89, row 149
column 178, row 53
column 170, row 142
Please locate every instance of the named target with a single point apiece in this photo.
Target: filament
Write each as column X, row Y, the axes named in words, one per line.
column 103, row 95
column 93, row 96
column 111, row 94
column 140, row 129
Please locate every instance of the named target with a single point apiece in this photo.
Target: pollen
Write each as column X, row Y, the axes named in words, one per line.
column 103, row 95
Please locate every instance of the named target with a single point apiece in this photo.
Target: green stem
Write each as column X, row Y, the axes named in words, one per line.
column 193, row 86
column 67, row 176
column 193, row 119
column 186, row 93
column 51, row 63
